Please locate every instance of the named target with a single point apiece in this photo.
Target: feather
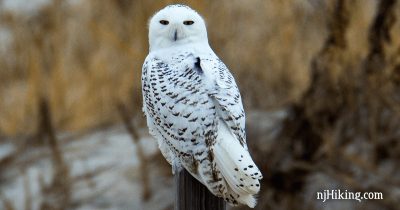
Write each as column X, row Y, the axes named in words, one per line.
column 236, row 166
column 194, row 109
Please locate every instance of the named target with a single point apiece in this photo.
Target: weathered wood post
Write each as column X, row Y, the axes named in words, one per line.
column 192, row 195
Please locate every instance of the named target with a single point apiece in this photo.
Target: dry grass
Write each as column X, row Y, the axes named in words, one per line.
column 344, row 132
column 343, row 123
column 84, row 57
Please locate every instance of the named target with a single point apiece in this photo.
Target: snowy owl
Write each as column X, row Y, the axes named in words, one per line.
column 194, row 109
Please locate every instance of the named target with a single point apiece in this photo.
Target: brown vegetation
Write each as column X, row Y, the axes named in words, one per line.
column 334, row 66
column 84, row 57
column 346, row 125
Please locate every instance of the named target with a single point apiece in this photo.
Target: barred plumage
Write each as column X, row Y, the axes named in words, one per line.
column 194, row 109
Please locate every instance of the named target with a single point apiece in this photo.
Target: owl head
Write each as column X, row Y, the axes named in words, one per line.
column 176, row 25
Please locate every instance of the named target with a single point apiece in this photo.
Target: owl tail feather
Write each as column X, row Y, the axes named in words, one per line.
column 237, row 167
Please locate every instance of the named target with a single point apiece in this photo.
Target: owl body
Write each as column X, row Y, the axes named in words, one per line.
column 176, row 106
column 194, row 109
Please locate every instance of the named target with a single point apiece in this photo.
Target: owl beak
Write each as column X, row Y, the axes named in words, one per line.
column 176, row 35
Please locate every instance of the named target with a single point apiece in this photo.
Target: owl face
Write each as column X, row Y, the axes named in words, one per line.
column 176, row 25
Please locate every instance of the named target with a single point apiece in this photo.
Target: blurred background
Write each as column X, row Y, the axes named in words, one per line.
column 320, row 81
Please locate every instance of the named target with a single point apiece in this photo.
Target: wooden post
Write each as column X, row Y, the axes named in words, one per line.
column 192, row 195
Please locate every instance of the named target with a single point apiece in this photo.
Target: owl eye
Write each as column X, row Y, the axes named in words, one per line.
column 164, row 22
column 188, row 22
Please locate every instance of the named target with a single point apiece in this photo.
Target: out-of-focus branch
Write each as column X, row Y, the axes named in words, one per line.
column 58, row 193
column 379, row 34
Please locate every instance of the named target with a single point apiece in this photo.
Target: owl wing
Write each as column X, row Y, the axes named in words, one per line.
column 227, row 96
column 231, row 154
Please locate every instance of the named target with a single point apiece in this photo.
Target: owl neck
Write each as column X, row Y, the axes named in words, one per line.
column 162, row 43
